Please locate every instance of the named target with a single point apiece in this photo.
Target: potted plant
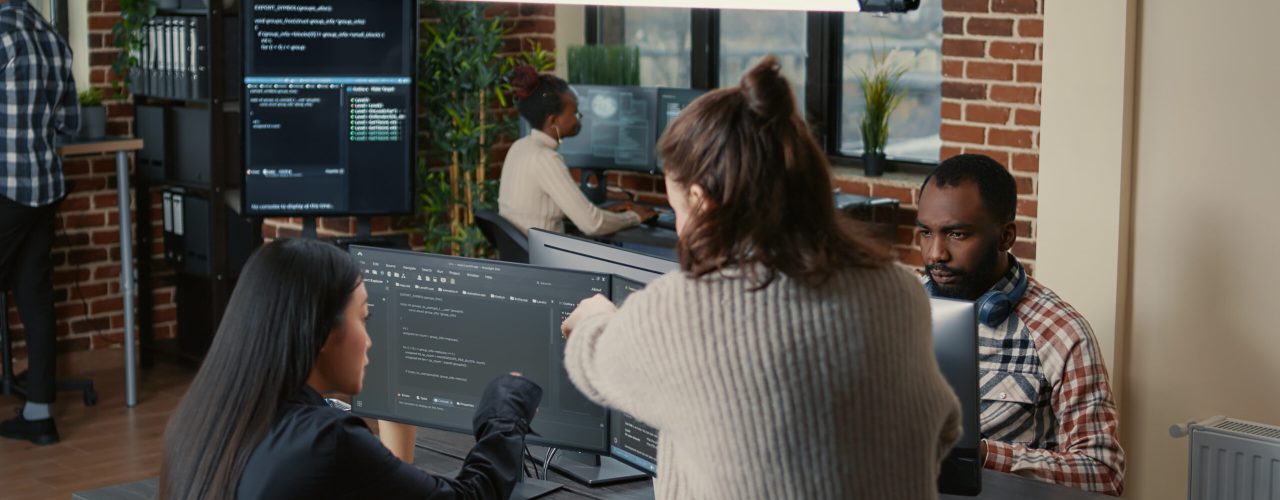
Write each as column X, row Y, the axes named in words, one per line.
column 129, row 35
column 604, row 65
column 93, row 117
column 881, row 94
column 464, row 89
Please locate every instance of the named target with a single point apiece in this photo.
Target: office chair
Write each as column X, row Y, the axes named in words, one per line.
column 512, row 245
column 14, row 384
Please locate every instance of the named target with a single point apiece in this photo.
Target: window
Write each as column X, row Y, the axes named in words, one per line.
column 820, row 53
column 913, row 40
column 664, row 37
column 746, row 36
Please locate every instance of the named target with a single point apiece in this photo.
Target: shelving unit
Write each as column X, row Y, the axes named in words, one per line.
column 194, row 147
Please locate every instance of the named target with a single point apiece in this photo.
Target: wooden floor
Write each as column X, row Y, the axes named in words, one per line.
column 101, row 445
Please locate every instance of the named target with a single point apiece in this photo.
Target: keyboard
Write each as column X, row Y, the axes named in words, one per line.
column 665, row 220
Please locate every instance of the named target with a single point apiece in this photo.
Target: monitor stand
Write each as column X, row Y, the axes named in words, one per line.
column 529, row 488
column 587, row 468
column 597, row 192
column 594, row 470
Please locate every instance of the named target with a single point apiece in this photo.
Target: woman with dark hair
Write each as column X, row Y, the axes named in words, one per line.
column 253, row 423
column 789, row 357
column 536, row 188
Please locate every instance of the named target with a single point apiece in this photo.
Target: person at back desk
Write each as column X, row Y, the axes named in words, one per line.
column 536, row 188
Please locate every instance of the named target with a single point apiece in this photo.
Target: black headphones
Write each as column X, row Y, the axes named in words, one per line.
column 995, row 306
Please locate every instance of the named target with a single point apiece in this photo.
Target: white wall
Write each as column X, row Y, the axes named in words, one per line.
column 78, row 25
column 1204, row 331
column 571, row 29
column 1196, row 305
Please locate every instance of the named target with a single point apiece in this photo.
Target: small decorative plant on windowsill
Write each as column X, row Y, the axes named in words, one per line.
column 881, row 95
column 93, row 117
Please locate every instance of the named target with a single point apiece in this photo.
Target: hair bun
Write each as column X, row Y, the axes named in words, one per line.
column 766, row 91
column 524, row 80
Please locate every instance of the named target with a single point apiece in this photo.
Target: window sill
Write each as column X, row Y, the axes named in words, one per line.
column 906, row 180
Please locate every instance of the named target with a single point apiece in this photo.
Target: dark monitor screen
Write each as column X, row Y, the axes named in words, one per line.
column 630, row 440
column 443, row 327
column 670, row 103
column 329, row 99
column 955, row 344
column 567, row 252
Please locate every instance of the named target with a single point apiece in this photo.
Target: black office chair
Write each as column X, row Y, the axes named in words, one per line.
column 512, row 245
column 14, row 383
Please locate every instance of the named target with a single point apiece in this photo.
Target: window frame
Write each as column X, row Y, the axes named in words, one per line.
column 823, row 74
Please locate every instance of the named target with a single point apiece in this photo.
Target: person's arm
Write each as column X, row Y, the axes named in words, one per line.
column 67, row 117
column 398, row 438
column 489, row 471
column 1089, row 455
column 620, row 359
column 591, row 220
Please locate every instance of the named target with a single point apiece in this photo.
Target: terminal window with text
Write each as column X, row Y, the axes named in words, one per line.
column 329, row 99
column 443, row 327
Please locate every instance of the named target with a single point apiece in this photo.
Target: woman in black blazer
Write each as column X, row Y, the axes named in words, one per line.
column 254, row 424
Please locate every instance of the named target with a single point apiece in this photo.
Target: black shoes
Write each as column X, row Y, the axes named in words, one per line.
column 41, row 432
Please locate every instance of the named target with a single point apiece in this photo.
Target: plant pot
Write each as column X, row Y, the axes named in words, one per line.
column 873, row 164
column 93, row 122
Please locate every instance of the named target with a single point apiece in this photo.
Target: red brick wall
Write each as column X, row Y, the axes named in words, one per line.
column 527, row 23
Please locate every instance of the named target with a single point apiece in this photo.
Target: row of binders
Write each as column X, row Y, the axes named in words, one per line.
column 174, row 63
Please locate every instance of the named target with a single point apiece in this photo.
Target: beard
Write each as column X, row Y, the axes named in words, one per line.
column 971, row 284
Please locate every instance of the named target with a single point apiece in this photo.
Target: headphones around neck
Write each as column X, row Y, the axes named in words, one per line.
column 995, row 306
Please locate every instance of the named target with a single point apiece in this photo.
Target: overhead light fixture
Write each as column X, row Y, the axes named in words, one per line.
column 802, row 5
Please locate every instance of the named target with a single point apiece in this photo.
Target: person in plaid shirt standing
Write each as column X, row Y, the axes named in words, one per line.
column 37, row 102
column 1047, row 407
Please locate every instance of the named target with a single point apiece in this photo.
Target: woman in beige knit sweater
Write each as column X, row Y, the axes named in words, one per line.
column 536, row 188
column 789, row 358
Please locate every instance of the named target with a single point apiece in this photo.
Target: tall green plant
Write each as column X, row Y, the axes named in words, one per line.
column 128, row 36
column 881, row 93
column 463, row 76
column 604, row 65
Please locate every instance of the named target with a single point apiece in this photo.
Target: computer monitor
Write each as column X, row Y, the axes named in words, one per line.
column 670, row 103
column 443, row 327
column 329, row 110
column 568, row 252
column 630, row 440
column 955, row 344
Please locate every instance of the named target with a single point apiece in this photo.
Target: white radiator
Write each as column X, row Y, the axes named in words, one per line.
column 1232, row 459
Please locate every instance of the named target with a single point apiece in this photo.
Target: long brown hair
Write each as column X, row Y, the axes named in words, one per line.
column 291, row 295
column 767, row 187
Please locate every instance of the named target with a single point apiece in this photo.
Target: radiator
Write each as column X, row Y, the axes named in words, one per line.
column 1232, row 459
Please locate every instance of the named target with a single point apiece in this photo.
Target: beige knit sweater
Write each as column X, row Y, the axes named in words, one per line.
column 537, row 191
column 786, row 392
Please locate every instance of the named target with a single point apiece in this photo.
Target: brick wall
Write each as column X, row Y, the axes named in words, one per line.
column 527, row 23
column 86, row 254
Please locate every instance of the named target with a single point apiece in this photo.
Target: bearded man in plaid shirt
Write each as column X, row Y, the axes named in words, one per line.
column 37, row 102
column 1047, row 407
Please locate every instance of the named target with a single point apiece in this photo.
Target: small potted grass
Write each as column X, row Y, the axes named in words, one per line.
column 93, row 116
column 881, row 93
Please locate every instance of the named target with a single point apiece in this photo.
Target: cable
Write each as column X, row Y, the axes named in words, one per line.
column 438, row 451
column 66, row 240
column 526, row 460
column 551, row 455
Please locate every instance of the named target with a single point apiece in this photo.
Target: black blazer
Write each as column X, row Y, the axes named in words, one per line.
column 314, row 451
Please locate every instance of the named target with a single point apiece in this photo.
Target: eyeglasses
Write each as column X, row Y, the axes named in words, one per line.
column 578, row 115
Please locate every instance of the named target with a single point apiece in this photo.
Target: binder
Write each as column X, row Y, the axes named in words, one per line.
column 199, row 69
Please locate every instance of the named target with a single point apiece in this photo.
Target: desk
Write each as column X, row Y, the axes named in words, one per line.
column 121, row 146
column 995, row 485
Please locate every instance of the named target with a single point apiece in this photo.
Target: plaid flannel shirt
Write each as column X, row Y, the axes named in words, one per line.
column 1047, row 407
column 38, row 102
